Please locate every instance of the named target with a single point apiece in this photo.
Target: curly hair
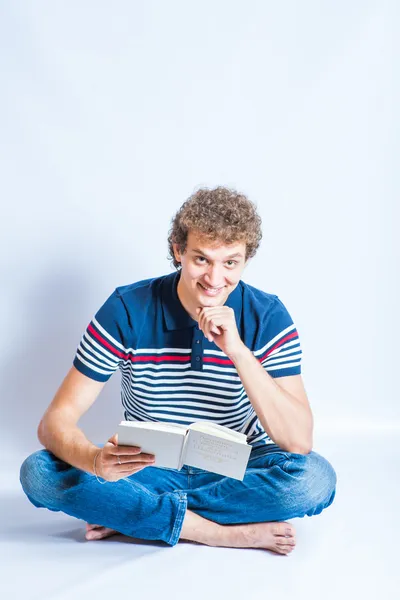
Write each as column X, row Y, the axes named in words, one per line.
column 218, row 214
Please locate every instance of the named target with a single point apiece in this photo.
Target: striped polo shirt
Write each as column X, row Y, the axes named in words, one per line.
column 169, row 370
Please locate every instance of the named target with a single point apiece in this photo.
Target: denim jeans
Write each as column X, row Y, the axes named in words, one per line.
column 151, row 504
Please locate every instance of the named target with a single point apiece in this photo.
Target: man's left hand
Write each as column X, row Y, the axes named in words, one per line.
column 219, row 326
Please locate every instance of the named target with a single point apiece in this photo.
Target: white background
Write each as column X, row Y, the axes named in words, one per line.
column 112, row 114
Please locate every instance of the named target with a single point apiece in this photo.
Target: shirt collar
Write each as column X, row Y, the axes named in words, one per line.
column 176, row 317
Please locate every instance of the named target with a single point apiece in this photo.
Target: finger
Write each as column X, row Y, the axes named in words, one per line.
column 128, row 458
column 114, row 439
column 208, row 333
column 214, row 328
column 202, row 325
column 131, row 470
column 125, row 450
column 201, row 321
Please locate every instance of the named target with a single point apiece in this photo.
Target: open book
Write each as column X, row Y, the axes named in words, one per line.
column 204, row 445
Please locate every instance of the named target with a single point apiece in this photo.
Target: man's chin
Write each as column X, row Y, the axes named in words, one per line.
column 210, row 302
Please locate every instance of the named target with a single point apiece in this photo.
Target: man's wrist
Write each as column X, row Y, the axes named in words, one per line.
column 92, row 456
column 242, row 352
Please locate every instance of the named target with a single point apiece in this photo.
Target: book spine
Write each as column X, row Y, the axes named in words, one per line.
column 183, row 452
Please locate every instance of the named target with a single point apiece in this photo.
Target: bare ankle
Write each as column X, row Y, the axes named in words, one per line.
column 198, row 529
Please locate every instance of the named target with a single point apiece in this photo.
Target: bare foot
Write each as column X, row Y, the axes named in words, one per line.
column 278, row 537
column 98, row 532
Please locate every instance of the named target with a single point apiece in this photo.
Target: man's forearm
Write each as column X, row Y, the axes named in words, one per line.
column 284, row 418
column 67, row 442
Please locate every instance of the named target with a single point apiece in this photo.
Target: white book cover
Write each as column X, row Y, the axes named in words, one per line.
column 203, row 444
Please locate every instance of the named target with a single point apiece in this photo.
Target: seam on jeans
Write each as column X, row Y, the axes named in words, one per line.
column 139, row 485
column 43, row 472
column 182, row 505
column 209, row 486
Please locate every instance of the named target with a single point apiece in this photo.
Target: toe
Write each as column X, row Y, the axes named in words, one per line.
column 284, row 549
column 284, row 541
column 284, row 529
column 90, row 526
column 95, row 534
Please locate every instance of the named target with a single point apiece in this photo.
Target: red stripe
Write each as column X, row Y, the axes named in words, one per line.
column 129, row 356
column 169, row 357
column 160, row 358
column 105, row 343
column 282, row 341
column 218, row 361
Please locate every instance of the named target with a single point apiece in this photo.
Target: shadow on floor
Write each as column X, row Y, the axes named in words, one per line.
column 21, row 521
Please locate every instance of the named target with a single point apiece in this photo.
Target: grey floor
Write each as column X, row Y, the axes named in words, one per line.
column 351, row 549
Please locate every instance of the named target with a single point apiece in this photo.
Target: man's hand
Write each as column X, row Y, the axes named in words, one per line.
column 219, row 326
column 132, row 460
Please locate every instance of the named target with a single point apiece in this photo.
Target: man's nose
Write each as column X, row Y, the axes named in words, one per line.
column 214, row 276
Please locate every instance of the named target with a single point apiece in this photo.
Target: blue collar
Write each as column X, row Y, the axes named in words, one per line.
column 176, row 317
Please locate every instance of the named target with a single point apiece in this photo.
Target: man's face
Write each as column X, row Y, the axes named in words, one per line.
column 210, row 272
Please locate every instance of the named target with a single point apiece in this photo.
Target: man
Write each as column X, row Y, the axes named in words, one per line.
column 195, row 344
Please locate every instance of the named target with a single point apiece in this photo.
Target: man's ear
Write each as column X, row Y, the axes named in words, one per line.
column 177, row 254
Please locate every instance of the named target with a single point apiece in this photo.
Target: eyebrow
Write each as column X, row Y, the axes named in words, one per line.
column 205, row 255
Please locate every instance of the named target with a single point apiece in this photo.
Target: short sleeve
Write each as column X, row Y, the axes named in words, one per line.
column 279, row 350
column 102, row 349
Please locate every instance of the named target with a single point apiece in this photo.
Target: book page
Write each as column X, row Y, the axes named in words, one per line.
column 218, row 430
column 158, row 426
column 205, row 450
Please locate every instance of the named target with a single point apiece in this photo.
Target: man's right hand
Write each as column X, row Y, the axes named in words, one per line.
column 132, row 460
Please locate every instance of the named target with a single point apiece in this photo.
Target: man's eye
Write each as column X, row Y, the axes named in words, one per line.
column 232, row 261
column 200, row 258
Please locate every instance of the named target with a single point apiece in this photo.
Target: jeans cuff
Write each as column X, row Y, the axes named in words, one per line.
column 182, row 505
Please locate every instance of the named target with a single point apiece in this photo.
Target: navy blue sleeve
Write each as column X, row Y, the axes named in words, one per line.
column 102, row 349
column 278, row 343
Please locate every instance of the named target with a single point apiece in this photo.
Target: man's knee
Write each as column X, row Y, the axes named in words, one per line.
column 36, row 478
column 322, row 479
column 316, row 481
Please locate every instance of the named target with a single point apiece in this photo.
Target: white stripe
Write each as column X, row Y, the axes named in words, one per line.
column 189, row 420
column 107, row 335
column 216, row 353
column 156, row 382
column 160, row 350
column 183, row 376
column 283, row 347
column 287, row 366
column 283, row 361
column 93, row 367
column 207, row 367
column 100, row 354
column 184, row 388
column 193, row 414
column 97, row 362
column 261, row 437
column 147, row 405
column 139, row 350
column 275, row 339
column 187, row 397
column 159, row 366
column 278, row 358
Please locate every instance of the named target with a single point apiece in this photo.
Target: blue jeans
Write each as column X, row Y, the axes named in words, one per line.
column 151, row 504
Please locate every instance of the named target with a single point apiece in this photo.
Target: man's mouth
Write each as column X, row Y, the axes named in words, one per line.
column 209, row 291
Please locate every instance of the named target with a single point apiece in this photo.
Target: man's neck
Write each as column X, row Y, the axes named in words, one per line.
column 191, row 310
